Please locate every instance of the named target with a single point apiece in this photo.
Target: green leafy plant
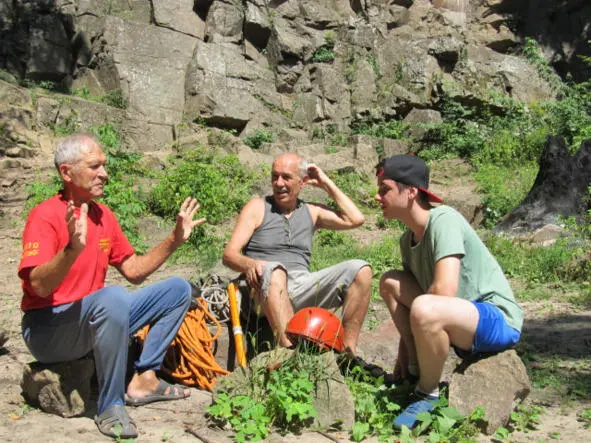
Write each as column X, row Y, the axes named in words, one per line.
column 66, row 127
column 503, row 188
column 220, row 184
column 375, row 406
column 39, row 191
column 279, row 396
column 115, row 99
column 394, row 129
column 526, row 417
column 323, row 54
column 585, row 417
column 121, row 190
column 373, row 61
column 445, row 423
column 501, row 434
column 259, row 137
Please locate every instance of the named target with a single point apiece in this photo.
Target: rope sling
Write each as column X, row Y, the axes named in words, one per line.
column 189, row 359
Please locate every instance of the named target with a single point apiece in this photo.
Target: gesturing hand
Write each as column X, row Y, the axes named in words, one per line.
column 77, row 227
column 184, row 220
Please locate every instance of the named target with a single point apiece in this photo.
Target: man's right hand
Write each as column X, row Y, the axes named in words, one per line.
column 77, row 227
column 254, row 274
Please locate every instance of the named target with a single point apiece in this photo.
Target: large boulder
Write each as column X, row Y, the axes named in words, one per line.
column 482, row 70
column 178, row 16
column 495, row 383
column 224, row 22
column 62, row 388
column 218, row 72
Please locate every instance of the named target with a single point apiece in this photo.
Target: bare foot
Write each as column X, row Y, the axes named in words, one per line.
column 146, row 384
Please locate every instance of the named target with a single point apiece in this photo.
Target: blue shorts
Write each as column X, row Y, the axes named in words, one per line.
column 493, row 334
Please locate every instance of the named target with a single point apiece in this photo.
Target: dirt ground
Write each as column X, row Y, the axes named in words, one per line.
column 554, row 330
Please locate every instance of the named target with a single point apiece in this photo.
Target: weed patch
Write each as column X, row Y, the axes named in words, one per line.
column 259, row 137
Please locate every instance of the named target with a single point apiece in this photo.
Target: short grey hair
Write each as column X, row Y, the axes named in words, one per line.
column 70, row 149
column 303, row 167
column 302, row 162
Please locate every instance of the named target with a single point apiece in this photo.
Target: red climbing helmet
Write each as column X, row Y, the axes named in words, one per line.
column 317, row 325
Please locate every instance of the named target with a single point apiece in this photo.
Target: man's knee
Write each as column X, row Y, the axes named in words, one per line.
column 390, row 285
column 424, row 311
column 179, row 290
column 278, row 279
column 364, row 275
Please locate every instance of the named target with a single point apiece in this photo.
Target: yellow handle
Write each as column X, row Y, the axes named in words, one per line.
column 236, row 328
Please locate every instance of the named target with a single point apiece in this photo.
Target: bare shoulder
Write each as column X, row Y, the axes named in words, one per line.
column 253, row 211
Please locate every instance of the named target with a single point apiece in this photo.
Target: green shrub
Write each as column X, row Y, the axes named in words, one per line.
column 280, row 397
column 220, row 184
column 115, row 99
column 358, row 186
column 39, row 191
column 394, row 129
column 504, row 189
column 259, row 137
column 531, row 264
column 324, row 54
column 121, row 190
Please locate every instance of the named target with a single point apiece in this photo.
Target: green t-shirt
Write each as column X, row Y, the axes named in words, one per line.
column 481, row 278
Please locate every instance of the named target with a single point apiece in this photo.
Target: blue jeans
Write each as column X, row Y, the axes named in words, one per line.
column 102, row 322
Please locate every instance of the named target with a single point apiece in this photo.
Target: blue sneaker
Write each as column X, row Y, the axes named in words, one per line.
column 408, row 418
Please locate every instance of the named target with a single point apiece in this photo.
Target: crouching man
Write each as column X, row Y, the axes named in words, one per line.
column 68, row 242
column 451, row 291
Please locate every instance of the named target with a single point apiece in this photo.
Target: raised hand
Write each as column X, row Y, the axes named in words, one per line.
column 316, row 176
column 77, row 227
column 184, row 220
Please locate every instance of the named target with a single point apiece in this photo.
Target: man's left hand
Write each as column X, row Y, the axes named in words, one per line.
column 184, row 220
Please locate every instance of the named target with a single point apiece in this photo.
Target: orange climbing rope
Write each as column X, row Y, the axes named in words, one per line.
column 190, row 359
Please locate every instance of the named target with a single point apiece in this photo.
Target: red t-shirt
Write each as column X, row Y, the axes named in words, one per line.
column 46, row 233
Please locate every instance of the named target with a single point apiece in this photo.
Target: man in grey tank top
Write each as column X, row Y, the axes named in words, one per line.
column 271, row 245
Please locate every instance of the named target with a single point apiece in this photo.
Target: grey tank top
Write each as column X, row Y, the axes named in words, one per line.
column 287, row 240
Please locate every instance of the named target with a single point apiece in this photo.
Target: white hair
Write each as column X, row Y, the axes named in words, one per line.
column 302, row 162
column 70, row 149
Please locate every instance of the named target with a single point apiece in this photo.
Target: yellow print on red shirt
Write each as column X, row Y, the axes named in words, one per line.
column 105, row 244
column 30, row 249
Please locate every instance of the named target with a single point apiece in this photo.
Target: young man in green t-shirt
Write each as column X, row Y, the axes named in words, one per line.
column 451, row 291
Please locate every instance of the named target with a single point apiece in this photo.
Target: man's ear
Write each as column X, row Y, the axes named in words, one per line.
column 65, row 172
column 413, row 192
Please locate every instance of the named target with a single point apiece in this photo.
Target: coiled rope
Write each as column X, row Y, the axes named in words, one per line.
column 189, row 359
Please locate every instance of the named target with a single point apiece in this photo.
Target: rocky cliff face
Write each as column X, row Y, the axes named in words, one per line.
column 294, row 67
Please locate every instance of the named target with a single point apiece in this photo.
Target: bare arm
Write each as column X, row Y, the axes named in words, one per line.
column 249, row 220
column 447, row 276
column 137, row 268
column 48, row 276
column 349, row 216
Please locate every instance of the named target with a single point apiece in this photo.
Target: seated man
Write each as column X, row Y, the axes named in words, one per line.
column 271, row 245
column 68, row 242
column 451, row 291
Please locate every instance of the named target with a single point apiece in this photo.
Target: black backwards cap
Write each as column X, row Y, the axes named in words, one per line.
column 407, row 169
